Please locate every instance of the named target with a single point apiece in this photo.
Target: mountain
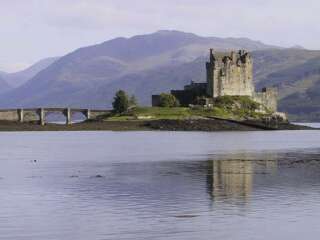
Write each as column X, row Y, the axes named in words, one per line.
column 4, row 86
column 154, row 63
column 19, row 78
column 70, row 79
column 298, row 47
column 296, row 73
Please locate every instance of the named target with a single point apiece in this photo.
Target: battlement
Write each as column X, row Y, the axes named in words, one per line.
column 233, row 58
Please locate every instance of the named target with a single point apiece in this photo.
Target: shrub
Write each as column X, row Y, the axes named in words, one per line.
column 243, row 102
column 168, row 100
column 248, row 103
column 225, row 100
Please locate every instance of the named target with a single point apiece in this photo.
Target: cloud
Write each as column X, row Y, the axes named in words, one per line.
column 40, row 28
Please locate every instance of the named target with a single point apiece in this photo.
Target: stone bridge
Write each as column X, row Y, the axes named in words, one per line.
column 39, row 114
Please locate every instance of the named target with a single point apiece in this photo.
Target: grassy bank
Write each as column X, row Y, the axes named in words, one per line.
column 227, row 107
column 227, row 114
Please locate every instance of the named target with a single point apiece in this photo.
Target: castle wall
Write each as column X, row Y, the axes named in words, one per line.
column 190, row 93
column 230, row 75
column 235, row 80
column 210, row 90
column 268, row 97
column 9, row 115
column 155, row 100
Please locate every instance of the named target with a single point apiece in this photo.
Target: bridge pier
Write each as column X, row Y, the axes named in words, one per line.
column 20, row 115
column 87, row 114
column 67, row 113
column 42, row 116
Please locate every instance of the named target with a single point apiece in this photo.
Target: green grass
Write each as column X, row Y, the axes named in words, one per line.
column 224, row 107
column 152, row 113
column 163, row 112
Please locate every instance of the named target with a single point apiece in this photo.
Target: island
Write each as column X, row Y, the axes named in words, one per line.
column 227, row 101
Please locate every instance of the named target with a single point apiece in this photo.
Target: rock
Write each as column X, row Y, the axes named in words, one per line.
column 280, row 116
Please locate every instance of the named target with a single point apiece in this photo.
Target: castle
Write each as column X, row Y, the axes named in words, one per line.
column 227, row 75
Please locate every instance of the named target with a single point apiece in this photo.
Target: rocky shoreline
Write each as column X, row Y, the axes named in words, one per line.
column 208, row 125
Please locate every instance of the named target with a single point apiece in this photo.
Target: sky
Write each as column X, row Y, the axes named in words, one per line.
column 35, row 29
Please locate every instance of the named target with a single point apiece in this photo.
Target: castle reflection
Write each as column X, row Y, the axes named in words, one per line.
column 234, row 178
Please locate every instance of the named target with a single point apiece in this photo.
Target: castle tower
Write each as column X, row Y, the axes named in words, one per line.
column 230, row 74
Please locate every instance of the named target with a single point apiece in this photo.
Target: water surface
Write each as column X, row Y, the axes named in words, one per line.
column 160, row 185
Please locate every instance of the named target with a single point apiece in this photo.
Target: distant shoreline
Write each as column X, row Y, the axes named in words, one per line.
column 205, row 125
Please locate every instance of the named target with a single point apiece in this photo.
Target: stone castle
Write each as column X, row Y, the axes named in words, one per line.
column 227, row 75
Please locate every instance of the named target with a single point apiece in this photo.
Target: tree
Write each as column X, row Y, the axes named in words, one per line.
column 168, row 100
column 120, row 102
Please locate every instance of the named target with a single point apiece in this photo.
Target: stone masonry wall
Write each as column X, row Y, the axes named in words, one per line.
column 267, row 97
column 9, row 115
column 230, row 75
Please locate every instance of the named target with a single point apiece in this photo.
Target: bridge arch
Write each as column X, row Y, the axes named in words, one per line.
column 39, row 114
column 66, row 112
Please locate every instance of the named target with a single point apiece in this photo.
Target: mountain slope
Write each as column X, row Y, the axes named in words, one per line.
column 298, row 82
column 4, row 86
column 296, row 73
column 69, row 79
column 19, row 78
